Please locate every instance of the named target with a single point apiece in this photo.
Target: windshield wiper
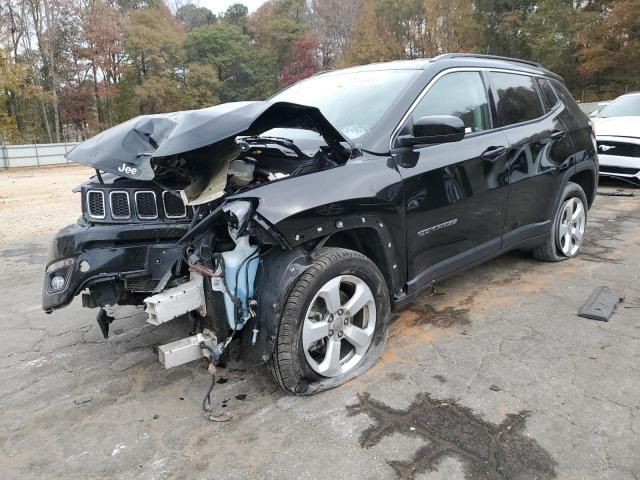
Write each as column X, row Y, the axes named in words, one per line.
column 258, row 138
column 282, row 141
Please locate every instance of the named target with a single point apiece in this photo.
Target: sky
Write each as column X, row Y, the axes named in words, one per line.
column 218, row 6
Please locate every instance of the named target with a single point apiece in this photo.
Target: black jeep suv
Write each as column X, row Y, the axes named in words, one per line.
column 296, row 224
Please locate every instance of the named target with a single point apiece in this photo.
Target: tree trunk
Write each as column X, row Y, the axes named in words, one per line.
column 45, row 120
column 109, row 102
column 50, row 52
column 56, row 113
column 97, row 97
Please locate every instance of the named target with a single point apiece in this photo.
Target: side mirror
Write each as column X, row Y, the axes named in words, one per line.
column 434, row 129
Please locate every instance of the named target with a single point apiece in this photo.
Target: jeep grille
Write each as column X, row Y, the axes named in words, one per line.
column 173, row 205
column 120, row 208
column 146, row 205
column 95, row 203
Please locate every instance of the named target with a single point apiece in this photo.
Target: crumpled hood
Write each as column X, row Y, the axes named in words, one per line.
column 617, row 126
column 127, row 149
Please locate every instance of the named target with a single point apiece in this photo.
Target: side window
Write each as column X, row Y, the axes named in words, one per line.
column 461, row 94
column 548, row 95
column 517, row 98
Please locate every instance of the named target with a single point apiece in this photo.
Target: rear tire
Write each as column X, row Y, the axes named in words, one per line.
column 567, row 231
column 334, row 323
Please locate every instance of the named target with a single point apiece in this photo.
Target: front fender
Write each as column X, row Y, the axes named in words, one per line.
column 276, row 276
column 366, row 192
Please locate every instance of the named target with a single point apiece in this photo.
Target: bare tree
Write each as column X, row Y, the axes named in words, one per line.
column 333, row 23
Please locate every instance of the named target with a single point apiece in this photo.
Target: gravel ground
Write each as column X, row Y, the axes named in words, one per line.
column 490, row 376
column 39, row 201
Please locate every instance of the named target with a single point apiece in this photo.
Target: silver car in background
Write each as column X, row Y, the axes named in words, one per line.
column 617, row 128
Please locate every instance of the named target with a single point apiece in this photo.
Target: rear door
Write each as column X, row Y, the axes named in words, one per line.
column 540, row 151
column 455, row 193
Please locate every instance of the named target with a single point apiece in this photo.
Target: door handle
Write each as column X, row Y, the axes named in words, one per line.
column 557, row 134
column 493, row 153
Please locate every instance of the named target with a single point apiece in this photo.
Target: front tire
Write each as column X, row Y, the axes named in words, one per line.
column 567, row 231
column 333, row 325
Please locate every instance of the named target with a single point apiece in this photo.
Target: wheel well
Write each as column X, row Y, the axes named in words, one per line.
column 586, row 180
column 367, row 242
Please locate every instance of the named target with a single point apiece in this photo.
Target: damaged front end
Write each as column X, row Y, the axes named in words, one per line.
column 225, row 256
column 226, row 268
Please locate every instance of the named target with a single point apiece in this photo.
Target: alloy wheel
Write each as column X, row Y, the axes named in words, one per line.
column 571, row 227
column 339, row 325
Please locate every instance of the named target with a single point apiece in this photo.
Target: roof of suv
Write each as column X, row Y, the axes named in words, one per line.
column 462, row 59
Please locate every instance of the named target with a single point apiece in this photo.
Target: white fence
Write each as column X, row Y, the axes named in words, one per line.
column 33, row 155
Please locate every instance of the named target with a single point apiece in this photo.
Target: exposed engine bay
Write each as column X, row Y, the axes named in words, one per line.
column 234, row 166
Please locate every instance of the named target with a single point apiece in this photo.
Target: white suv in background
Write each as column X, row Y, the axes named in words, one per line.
column 617, row 129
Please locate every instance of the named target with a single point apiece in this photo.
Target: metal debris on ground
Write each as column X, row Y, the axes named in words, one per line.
column 601, row 304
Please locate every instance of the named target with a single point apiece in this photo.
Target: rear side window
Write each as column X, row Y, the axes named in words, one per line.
column 548, row 95
column 516, row 97
column 461, row 94
column 566, row 98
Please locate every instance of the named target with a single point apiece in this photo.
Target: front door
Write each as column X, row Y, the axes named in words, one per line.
column 455, row 193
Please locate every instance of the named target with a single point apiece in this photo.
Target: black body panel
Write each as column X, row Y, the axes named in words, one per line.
column 112, row 252
column 365, row 193
column 455, row 204
column 537, row 164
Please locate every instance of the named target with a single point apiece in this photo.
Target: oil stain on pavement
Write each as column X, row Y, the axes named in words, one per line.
column 444, row 318
column 487, row 451
column 601, row 237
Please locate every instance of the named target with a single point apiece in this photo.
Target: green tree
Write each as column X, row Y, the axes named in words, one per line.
column 238, row 15
column 154, row 42
column 373, row 40
column 12, row 80
column 405, row 20
column 191, row 16
column 551, row 33
column 503, row 21
column 230, row 51
column 201, row 84
column 452, row 26
column 608, row 48
column 274, row 28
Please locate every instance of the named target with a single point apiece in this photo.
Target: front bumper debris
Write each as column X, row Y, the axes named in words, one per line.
column 104, row 253
column 187, row 349
column 177, row 301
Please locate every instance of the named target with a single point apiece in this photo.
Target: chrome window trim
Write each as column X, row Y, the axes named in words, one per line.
column 155, row 199
column 429, row 85
column 104, row 207
column 113, row 215
column 164, row 207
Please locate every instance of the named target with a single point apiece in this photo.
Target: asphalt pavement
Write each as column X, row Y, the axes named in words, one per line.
column 491, row 375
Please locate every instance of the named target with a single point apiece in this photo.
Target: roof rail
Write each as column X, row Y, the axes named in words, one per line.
column 445, row 56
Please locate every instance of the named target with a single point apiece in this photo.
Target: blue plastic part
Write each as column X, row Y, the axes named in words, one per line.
column 235, row 265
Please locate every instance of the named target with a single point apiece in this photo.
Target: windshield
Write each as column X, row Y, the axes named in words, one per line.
column 627, row 106
column 353, row 102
